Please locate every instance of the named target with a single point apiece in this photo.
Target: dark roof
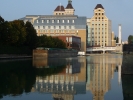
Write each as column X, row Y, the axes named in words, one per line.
column 69, row 6
column 99, row 6
column 60, row 8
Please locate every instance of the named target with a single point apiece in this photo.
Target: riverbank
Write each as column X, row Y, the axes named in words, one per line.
column 101, row 54
column 6, row 56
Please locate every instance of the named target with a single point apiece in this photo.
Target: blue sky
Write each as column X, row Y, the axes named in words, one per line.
column 119, row 11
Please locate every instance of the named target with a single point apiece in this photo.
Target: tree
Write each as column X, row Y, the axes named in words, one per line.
column 130, row 39
column 31, row 36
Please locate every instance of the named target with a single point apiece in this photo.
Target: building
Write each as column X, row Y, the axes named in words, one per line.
column 99, row 29
column 63, row 22
column 69, row 10
column 72, row 42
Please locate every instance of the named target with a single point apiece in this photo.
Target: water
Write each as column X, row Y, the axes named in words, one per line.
column 79, row 78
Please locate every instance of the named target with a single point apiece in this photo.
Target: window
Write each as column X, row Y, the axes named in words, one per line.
column 47, row 21
column 95, row 13
column 38, row 27
column 58, row 21
column 102, row 14
column 52, row 21
column 43, row 27
column 42, row 21
column 67, row 21
column 99, row 13
column 62, row 21
column 72, row 21
column 37, row 21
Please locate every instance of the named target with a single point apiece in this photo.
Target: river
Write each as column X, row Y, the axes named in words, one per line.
column 79, row 78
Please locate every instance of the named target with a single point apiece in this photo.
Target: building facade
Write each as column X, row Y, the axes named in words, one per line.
column 62, row 23
column 72, row 42
column 99, row 29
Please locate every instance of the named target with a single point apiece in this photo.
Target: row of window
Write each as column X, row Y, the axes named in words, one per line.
column 54, row 27
column 99, row 17
column 55, row 34
column 53, row 21
column 99, row 24
column 56, row 31
column 99, row 13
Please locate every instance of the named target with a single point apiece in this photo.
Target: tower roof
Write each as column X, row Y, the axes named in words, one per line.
column 99, row 6
column 69, row 6
column 60, row 8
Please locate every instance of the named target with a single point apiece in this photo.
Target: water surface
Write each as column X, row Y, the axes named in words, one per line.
column 79, row 78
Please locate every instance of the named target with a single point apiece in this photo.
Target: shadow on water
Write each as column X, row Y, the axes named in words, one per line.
column 127, row 85
column 127, row 76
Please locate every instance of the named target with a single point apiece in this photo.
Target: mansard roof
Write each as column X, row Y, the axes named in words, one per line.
column 60, row 8
column 99, row 6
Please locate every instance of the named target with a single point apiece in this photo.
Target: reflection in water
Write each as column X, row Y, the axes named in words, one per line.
column 127, row 85
column 67, row 83
column 63, row 78
column 100, row 70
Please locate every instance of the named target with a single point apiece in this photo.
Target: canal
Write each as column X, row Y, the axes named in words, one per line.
column 79, row 78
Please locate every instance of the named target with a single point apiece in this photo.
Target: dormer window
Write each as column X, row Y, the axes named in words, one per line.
column 42, row 21
column 47, row 21
column 37, row 21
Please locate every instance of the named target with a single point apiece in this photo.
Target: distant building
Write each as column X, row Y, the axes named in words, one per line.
column 62, row 23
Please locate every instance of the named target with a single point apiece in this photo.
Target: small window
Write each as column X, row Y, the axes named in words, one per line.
column 67, row 21
column 72, row 21
column 102, row 14
column 58, row 21
column 42, row 21
column 52, row 21
column 62, row 21
column 95, row 13
column 37, row 21
column 47, row 21
column 99, row 13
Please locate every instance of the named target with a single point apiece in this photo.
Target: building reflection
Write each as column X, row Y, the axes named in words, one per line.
column 100, row 70
column 67, row 83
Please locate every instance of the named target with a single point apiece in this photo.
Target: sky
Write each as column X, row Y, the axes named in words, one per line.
column 118, row 11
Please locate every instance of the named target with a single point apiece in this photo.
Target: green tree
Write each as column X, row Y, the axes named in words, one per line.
column 130, row 39
column 31, row 36
column 20, row 30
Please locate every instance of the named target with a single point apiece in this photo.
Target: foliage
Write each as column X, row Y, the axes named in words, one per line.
column 50, row 42
column 19, row 34
column 130, row 39
column 116, row 38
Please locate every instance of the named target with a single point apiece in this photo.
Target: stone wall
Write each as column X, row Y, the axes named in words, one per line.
column 37, row 54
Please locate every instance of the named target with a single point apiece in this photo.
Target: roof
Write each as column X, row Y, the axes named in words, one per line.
column 99, row 6
column 60, row 8
column 69, row 6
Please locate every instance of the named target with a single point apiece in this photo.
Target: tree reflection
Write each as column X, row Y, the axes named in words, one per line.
column 17, row 77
